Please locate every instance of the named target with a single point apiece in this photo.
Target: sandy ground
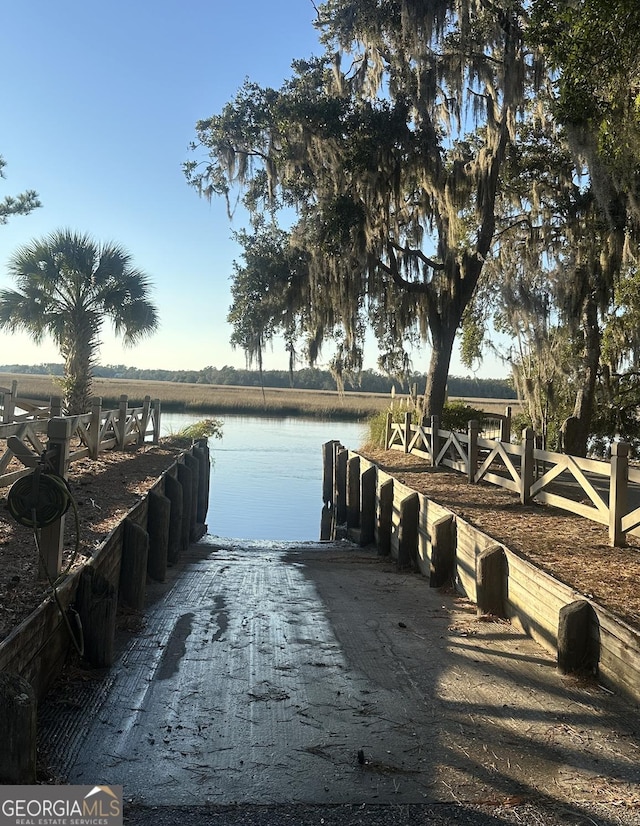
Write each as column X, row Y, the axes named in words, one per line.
column 323, row 677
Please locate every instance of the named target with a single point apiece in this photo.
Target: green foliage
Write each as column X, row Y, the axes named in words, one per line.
column 204, row 429
column 593, row 46
column 394, row 202
column 455, row 416
column 67, row 284
column 21, row 204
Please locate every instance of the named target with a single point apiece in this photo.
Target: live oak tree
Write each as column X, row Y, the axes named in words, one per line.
column 389, row 147
column 66, row 285
column 593, row 48
column 552, row 278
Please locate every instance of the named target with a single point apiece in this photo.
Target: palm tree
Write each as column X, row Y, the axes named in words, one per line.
column 67, row 284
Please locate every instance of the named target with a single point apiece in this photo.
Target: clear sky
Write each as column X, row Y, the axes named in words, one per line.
column 98, row 107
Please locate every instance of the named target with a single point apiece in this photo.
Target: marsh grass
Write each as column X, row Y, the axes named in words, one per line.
column 216, row 400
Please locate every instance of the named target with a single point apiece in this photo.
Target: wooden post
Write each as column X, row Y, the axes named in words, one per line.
column 353, row 492
column 144, row 420
column 96, row 604
column 173, row 492
column 194, row 466
column 406, row 433
column 473, row 429
column 618, row 492
column 121, row 426
column 52, row 536
column 408, row 532
column 491, row 581
column 328, row 454
column 201, row 452
column 443, row 552
column 526, row 465
column 385, row 518
column 10, row 406
column 95, row 427
column 326, row 524
column 185, row 478
column 55, row 407
column 18, row 713
column 158, row 517
column 387, row 430
column 505, row 425
column 578, row 649
column 156, row 421
column 368, row 481
column 133, row 567
column 435, row 439
column 341, row 486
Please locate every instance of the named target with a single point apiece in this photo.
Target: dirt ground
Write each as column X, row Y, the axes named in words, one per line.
column 572, row 549
column 104, row 491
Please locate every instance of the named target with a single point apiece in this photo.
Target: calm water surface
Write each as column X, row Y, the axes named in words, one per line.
column 266, row 477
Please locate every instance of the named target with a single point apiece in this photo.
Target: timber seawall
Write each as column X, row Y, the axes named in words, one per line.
column 82, row 615
column 426, row 537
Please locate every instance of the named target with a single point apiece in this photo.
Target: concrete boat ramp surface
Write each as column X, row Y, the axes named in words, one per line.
column 279, row 684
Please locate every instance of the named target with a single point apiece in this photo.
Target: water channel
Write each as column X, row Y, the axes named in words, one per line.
column 266, row 475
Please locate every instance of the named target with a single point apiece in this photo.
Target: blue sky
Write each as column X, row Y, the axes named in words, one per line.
column 98, row 107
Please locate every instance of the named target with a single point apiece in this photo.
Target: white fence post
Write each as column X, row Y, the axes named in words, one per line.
column 156, row 421
column 618, row 491
column 387, row 430
column 94, row 427
column 406, row 438
column 526, row 465
column 122, row 421
column 473, row 429
column 435, row 439
column 505, row 425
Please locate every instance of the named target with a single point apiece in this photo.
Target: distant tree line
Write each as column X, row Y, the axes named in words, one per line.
column 369, row 381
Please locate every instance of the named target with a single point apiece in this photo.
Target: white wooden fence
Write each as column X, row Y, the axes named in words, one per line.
column 22, row 441
column 605, row 492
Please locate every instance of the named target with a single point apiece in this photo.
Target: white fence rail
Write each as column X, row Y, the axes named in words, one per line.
column 23, row 441
column 604, row 492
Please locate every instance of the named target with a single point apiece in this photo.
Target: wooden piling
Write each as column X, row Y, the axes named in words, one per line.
column 578, row 647
column 368, row 506
column 202, row 455
column 408, row 532
column 18, row 713
column 158, row 518
column 185, row 478
column 443, row 552
column 340, row 487
column 194, row 466
column 385, row 518
column 96, row 604
column 133, row 567
column 353, row 493
column 491, row 581
column 174, row 493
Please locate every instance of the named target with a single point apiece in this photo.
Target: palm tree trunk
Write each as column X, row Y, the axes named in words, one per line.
column 78, row 351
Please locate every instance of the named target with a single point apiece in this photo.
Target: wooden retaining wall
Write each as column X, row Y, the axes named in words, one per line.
column 37, row 649
column 530, row 597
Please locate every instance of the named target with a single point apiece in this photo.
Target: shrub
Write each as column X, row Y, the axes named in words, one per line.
column 204, row 429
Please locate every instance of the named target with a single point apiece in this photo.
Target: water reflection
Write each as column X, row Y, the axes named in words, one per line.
column 266, row 479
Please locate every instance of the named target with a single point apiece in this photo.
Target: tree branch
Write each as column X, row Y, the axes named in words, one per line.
column 435, row 265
